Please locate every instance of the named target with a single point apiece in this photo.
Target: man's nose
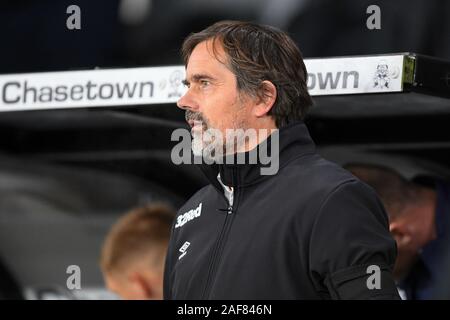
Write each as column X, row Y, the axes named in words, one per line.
column 187, row 102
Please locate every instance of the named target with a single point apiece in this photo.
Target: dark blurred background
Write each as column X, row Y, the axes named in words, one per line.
column 149, row 32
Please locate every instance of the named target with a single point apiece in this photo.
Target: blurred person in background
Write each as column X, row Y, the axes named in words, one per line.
column 133, row 254
column 419, row 214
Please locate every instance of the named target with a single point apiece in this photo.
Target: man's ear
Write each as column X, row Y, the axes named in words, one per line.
column 266, row 99
column 401, row 234
column 143, row 287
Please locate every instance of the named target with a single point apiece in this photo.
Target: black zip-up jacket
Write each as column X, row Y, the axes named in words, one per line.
column 311, row 231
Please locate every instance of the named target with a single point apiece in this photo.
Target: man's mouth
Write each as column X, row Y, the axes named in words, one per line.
column 195, row 125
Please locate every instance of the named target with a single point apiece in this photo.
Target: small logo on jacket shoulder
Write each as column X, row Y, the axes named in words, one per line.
column 188, row 216
column 183, row 249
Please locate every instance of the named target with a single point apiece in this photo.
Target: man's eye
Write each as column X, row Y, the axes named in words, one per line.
column 204, row 83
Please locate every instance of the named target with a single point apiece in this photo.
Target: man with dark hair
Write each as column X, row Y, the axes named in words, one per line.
column 419, row 214
column 309, row 230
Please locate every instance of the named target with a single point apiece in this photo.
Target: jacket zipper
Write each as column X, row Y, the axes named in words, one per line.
column 219, row 246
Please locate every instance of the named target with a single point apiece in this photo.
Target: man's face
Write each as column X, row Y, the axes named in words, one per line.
column 402, row 229
column 212, row 100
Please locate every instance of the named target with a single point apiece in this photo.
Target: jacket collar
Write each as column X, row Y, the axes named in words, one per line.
column 294, row 141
